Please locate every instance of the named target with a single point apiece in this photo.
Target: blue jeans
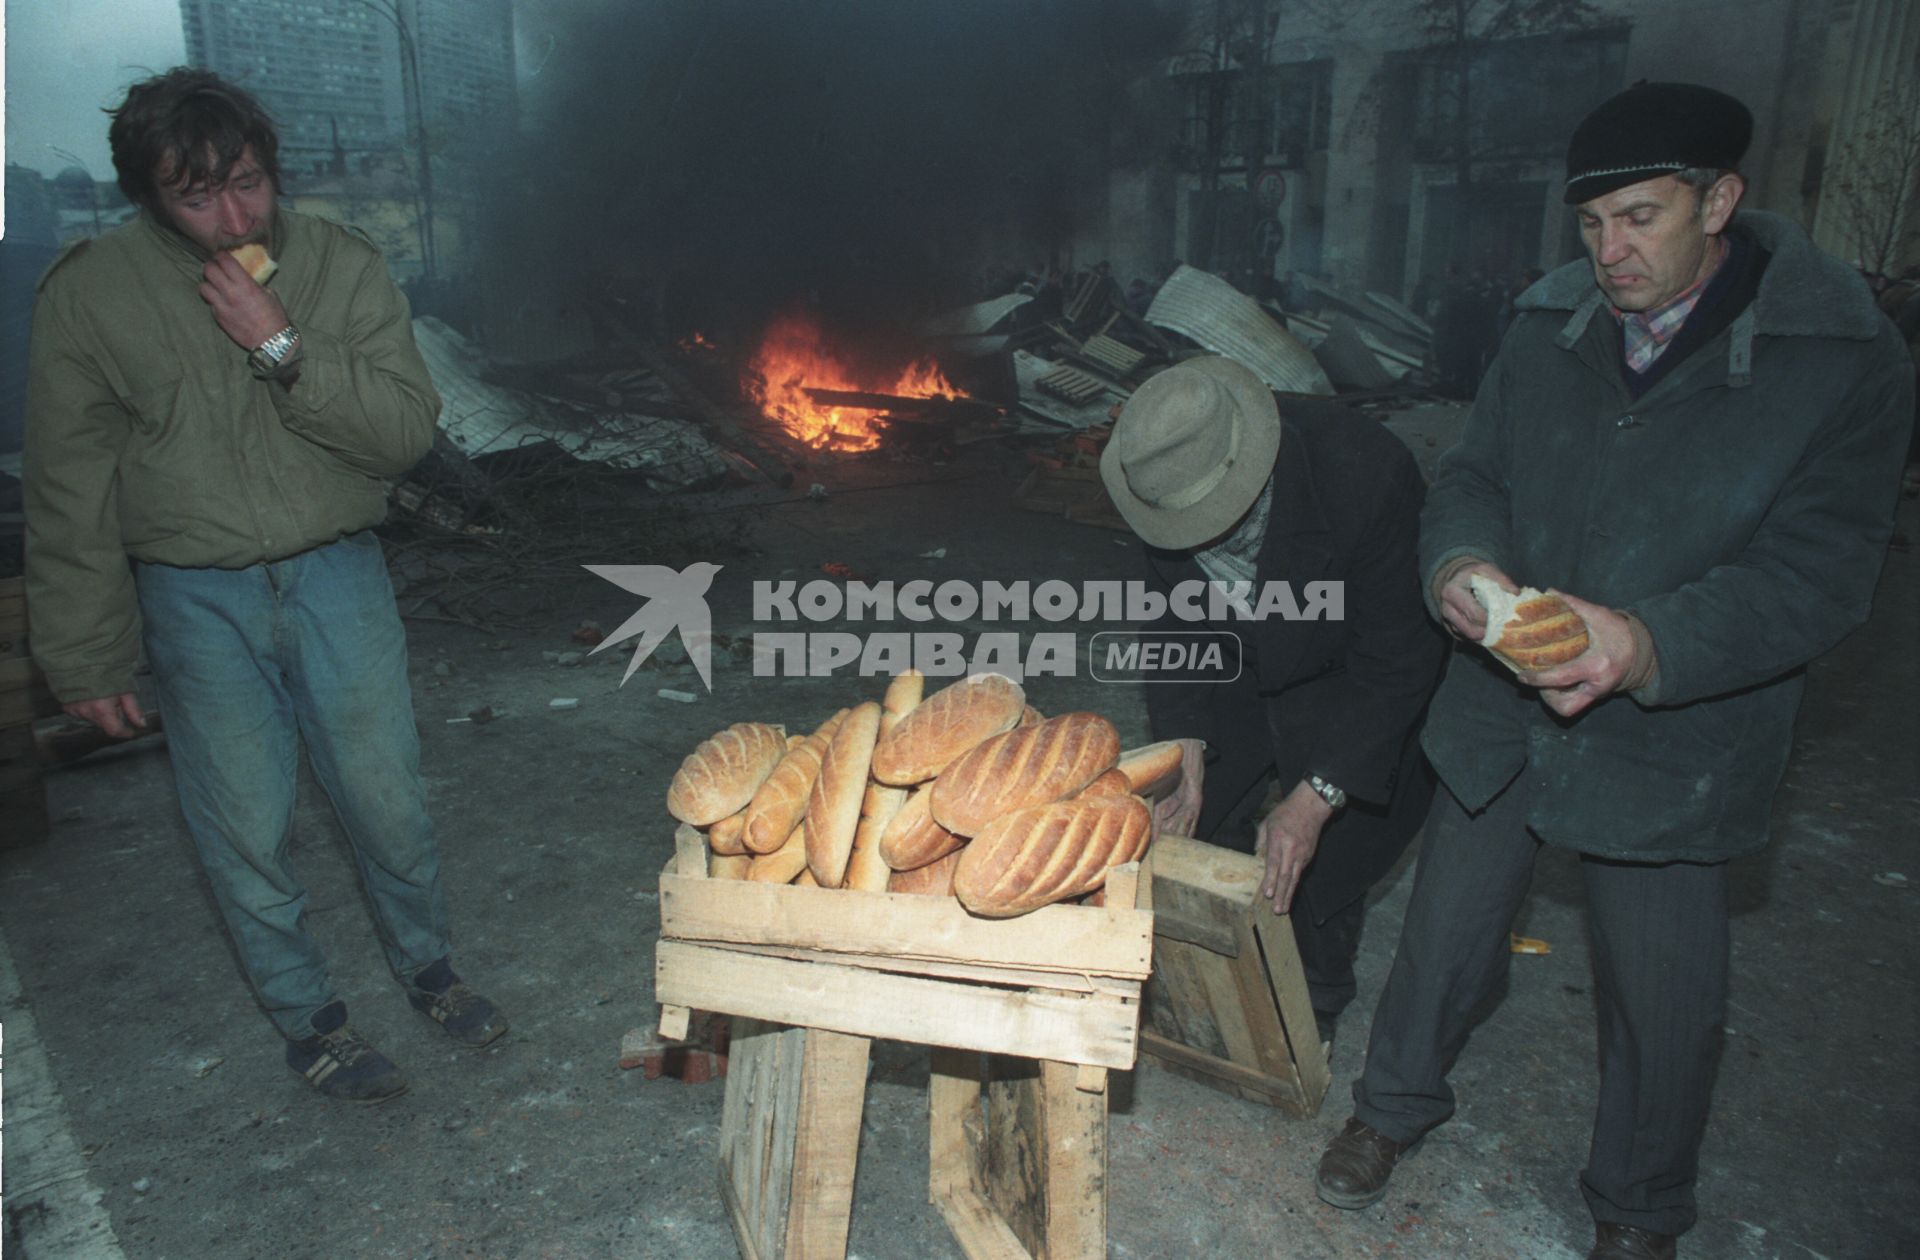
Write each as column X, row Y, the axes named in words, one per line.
column 248, row 663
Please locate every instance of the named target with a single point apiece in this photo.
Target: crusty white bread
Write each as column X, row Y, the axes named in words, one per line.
column 785, row 862
column 912, row 838
column 721, row 775
column 780, row 802
column 1047, row 853
column 946, row 725
column 1029, row 765
column 258, row 262
column 833, row 808
column 805, row 879
column 728, row 865
column 1031, row 716
column 724, row 837
column 1154, row 771
column 1530, row 630
column 867, row 871
column 935, row 879
column 1113, row 783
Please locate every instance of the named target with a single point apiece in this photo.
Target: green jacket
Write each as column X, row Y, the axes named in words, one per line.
column 1740, row 508
column 147, row 435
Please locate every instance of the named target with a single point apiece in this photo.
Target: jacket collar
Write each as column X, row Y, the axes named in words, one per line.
column 1804, row 293
column 189, row 255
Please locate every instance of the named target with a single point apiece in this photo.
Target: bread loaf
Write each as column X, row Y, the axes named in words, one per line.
column 724, row 837
column 935, row 879
column 1531, row 630
column 867, row 871
column 1029, row 765
column 779, row 804
column 1031, row 716
column 1154, row 770
column 728, row 866
column 805, row 879
column 947, row 724
column 721, row 775
column 912, row 838
column 1113, row 783
column 257, row 261
column 1046, row 853
column 781, row 865
column 833, row 809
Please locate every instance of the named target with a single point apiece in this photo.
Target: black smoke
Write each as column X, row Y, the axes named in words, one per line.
column 871, row 158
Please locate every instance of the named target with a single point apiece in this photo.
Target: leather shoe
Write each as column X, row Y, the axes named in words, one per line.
column 1627, row 1242
column 1354, row 1171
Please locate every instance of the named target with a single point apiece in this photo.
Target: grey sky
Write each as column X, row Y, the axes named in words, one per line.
column 66, row 59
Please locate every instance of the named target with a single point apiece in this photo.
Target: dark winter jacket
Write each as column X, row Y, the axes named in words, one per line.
column 1740, row 508
column 1342, row 698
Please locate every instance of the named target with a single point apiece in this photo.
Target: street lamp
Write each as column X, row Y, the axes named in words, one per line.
column 390, row 10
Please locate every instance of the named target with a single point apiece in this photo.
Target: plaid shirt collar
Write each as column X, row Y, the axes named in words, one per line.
column 1648, row 333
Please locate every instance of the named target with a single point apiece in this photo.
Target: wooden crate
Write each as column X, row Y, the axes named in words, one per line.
column 1228, row 1005
column 1018, row 1165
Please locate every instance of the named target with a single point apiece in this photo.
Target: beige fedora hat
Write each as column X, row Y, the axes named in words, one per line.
column 1191, row 450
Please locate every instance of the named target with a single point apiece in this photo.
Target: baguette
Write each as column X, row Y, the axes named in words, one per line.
column 867, row 871
column 724, row 837
column 935, row 879
column 946, row 725
column 1047, row 853
column 1113, row 783
column 780, row 803
column 833, row 809
column 1029, row 765
column 1153, row 770
column 721, row 775
column 912, row 838
column 1528, row 631
column 785, row 862
column 728, row 865
column 257, row 261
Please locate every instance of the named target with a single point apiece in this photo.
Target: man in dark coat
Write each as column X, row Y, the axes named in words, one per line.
column 1318, row 510
column 1696, row 435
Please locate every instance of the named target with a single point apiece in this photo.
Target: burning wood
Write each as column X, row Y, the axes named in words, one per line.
column 794, row 365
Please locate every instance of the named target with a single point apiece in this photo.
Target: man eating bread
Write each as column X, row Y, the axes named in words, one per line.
column 1689, row 444
column 204, row 464
column 1312, row 754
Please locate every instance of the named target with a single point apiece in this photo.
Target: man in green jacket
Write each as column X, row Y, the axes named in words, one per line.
column 204, row 463
column 1696, row 436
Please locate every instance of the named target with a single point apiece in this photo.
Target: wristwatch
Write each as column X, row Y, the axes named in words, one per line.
column 1332, row 795
column 266, row 358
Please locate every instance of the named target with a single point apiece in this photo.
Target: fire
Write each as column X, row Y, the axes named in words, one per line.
column 794, row 357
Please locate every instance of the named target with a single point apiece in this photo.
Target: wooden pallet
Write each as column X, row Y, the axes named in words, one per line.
column 1071, row 384
column 1228, row 1004
column 1116, row 356
column 812, row 975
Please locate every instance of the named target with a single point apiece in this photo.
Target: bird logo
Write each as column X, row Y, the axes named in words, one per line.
column 676, row 600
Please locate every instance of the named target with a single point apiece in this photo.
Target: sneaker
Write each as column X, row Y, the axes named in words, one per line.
column 342, row 1064
column 444, row 998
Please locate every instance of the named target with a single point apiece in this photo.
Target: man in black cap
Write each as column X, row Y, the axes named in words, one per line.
column 1695, row 436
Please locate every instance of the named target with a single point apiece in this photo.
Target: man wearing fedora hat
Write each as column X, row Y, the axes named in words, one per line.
column 1695, row 434
column 1225, row 489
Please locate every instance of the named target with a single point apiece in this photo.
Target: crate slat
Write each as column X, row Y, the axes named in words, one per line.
column 1097, row 1029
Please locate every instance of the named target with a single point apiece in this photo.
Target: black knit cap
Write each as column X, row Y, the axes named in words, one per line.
column 1654, row 129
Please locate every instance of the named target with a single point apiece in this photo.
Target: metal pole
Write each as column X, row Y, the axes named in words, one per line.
column 390, row 10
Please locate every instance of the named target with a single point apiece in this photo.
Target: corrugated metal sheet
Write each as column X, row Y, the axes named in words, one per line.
column 981, row 317
column 1228, row 322
column 484, row 419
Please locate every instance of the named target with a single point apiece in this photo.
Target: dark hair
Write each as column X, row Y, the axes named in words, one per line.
column 193, row 123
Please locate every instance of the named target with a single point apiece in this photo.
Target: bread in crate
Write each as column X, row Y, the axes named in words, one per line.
column 821, row 811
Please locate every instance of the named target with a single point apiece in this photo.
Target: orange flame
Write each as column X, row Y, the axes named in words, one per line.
column 794, row 357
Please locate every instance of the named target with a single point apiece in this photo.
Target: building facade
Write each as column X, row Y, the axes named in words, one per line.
column 1375, row 145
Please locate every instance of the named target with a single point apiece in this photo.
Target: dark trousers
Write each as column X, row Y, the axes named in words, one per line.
column 1235, row 799
column 1659, row 935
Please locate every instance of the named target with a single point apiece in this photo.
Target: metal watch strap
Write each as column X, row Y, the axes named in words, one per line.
column 1332, row 795
column 266, row 358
